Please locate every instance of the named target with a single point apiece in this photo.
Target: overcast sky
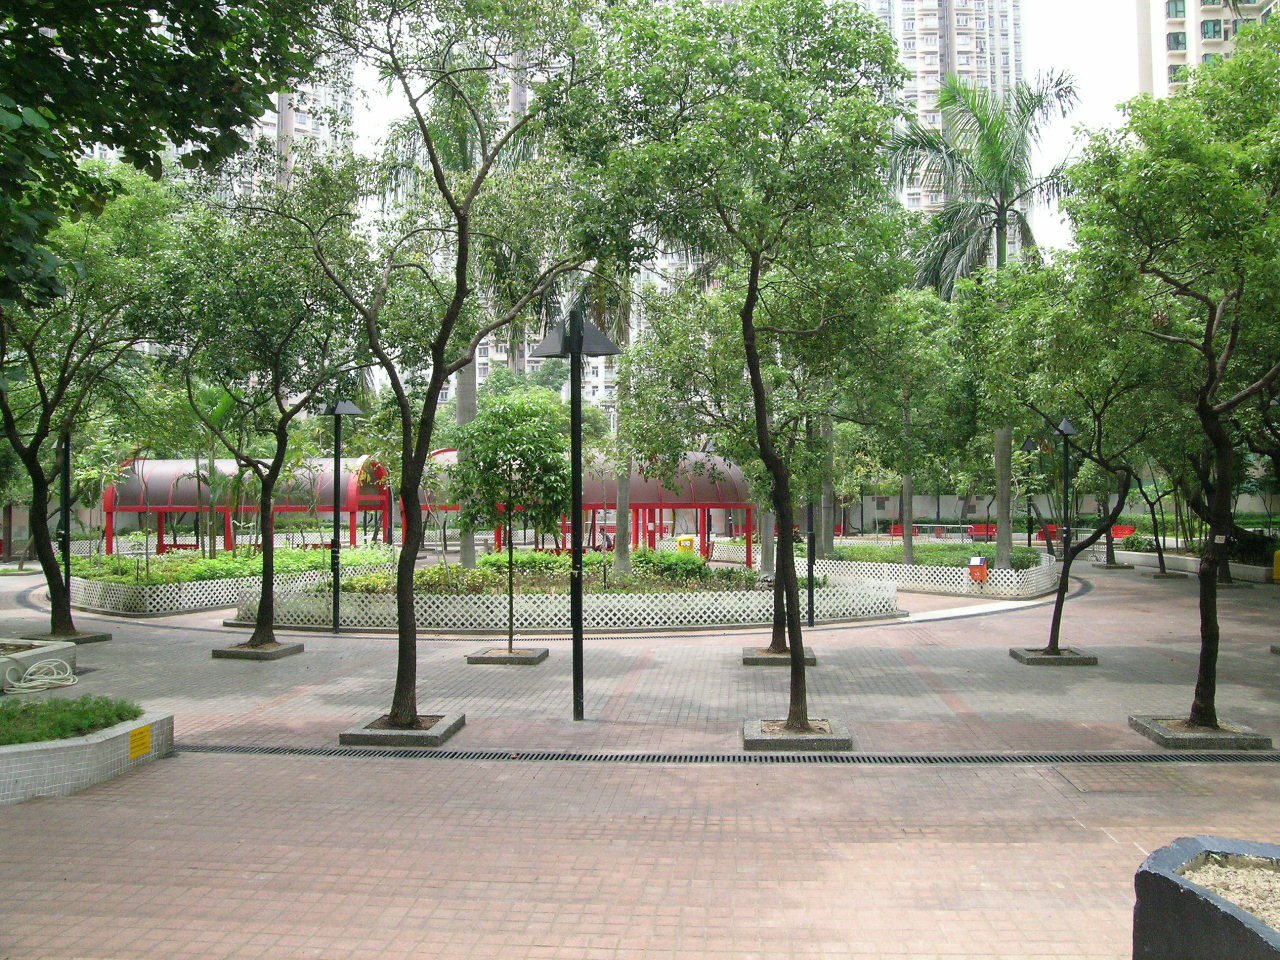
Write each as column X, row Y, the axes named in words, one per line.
column 1093, row 40
column 1096, row 42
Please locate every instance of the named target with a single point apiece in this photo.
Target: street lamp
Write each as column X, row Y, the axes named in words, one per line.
column 1029, row 446
column 1066, row 429
column 577, row 339
column 338, row 410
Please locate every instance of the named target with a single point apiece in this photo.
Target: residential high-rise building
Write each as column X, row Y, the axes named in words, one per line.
column 1177, row 35
column 977, row 40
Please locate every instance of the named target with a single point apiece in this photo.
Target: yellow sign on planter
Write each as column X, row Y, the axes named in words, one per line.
column 139, row 742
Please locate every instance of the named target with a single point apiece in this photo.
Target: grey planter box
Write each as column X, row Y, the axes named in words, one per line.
column 77, row 638
column 754, row 738
column 1175, row 919
column 520, row 657
column 1069, row 657
column 1153, row 729
column 433, row 736
column 752, row 657
column 59, row 768
column 279, row 651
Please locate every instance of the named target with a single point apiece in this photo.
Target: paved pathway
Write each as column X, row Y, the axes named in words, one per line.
column 222, row 855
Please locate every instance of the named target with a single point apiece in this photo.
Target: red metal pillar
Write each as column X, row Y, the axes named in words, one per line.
column 652, row 524
column 497, row 538
column 160, row 547
column 353, row 528
column 751, row 529
column 227, row 543
column 704, row 519
column 635, row 527
column 111, row 532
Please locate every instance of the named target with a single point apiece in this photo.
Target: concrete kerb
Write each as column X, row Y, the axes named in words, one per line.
column 78, row 637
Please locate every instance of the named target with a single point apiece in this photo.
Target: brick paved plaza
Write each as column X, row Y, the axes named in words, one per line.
column 218, row 854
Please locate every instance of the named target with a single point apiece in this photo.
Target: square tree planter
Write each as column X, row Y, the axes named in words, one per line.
column 1175, row 918
column 78, row 637
column 1275, row 648
column 520, row 656
column 1232, row 736
column 1069, row 657
column 435, row 731
column 832, row 735
column 761, row 657
column 271, row 651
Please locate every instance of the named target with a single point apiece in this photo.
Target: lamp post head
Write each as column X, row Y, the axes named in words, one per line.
column 1066, row 428
column 343, row 408
column 1028, row 445
column 594, row 341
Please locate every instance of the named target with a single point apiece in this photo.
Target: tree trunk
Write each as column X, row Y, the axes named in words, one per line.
column 622, row 522
column 511, row 584
column 1213, row 556
column 908, row 519
column 264, row 623
column 1044, row 528
column 780, row 474
column 466, row 412
column 767, row 543
column 60, row 620
column 1004, row 497
column 404, row 701
column 1064, row 575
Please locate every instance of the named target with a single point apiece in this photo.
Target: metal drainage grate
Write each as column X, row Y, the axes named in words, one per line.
column 869, row 759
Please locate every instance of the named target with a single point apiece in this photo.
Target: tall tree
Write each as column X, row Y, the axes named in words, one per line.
column 516, row 458
column 763, row 123
column 61, row 357
column 1183, row 205
column 254, row 317
column 982, row 163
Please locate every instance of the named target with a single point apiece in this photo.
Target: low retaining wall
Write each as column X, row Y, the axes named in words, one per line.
column 59, row 768
column 1245, row 572
column 948, row 581
column 609, row 611
column 150, row 600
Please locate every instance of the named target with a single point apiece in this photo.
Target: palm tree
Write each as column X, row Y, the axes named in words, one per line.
column 981, row 161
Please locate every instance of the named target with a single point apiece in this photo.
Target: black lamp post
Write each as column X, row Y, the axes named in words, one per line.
column 338, row 410
column 577, row 339
column 1066, row 429
column 64, row 532
column 1028, row 446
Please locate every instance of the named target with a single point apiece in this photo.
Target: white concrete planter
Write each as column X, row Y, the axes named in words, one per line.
column 1176, row 563
column 850, row 601
column 59, row 768
column 152, row 600
column 14, row 665
column 949, row 581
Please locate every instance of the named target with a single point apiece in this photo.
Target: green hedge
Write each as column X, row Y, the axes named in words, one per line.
column 936, row 554
column 186, row 566
column 30, row 721
column 655, row 571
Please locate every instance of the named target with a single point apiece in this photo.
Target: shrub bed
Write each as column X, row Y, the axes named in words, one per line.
column 936, row 554
column 31, row 721
column 187, row 566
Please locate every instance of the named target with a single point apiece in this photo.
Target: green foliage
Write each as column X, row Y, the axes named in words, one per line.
column 671, row 563
column 513, row 456
column 186, row 566
column 32, row 721
column 1138, row 543
column 78, row 73
column 936, row 554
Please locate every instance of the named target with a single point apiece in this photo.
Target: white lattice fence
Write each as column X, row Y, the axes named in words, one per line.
column 600, row 611
column 1006, row 584
column 138, row 598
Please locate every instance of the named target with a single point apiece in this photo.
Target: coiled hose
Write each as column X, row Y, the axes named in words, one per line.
column 41, row 675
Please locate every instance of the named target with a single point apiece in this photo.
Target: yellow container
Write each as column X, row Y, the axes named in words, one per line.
column 685, row 543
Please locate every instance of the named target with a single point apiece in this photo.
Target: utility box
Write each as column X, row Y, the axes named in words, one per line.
column 978, row 569
column 685, row 543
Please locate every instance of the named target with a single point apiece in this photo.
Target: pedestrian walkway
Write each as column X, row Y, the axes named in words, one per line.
column 216, row 854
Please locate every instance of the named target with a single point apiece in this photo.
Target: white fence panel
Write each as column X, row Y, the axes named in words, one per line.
column 951, row 581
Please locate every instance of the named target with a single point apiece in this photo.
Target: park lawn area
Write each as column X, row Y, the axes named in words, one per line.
column 936, row 554
column 31, row 721
column 187, row 566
